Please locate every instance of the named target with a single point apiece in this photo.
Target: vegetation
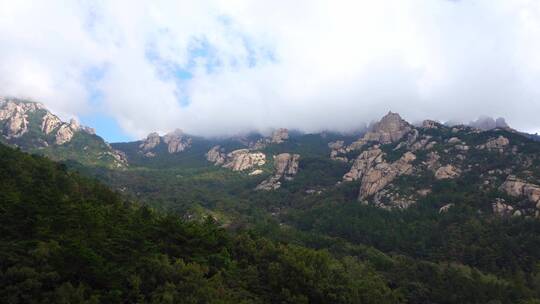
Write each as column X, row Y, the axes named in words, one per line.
column 67, row 239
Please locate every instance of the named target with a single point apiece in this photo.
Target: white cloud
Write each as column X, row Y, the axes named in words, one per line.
column 309, row 65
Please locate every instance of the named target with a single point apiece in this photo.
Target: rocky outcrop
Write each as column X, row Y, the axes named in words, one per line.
column 243, row 159
column 216, row 155
column 279, row 136
column 447, row 172
column 445, row 208
column 498, row 144
column 501, row 208
column 49, row 123
column 177, row 141
column 516, row 187
column 152, row 140
column 430, row 124
column 285, row 168
column 338, row 150
column 14, row 115
column 64, row 134
column 390, row 129
column 375, row 173
column 237, row 160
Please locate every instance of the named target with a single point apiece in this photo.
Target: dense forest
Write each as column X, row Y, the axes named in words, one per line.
column 69, row 239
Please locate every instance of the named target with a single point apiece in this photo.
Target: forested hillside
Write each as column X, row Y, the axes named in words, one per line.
column 67, row 239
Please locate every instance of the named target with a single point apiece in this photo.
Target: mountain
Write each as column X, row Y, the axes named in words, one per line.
column 394, row 163
column 31, row 127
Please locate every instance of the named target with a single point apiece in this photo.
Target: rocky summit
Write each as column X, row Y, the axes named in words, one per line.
column 31, row 127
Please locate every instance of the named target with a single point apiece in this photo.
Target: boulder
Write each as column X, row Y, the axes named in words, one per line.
column 516, row 187
column 447, row 172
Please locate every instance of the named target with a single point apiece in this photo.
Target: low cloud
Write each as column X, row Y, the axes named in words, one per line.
column 223, row 67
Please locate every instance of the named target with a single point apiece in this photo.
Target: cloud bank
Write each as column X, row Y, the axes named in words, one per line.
column 224, row 67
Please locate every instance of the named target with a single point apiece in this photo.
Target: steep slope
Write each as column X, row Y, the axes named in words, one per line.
column 31, row 127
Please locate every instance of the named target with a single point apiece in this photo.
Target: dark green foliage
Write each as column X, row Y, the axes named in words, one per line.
column 67, row 239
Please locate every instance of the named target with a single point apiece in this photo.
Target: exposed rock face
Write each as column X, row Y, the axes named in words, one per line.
column 14, row 116
column 49, row 123
column 216, row 155
column 363, row 163
column 430, row 124
column 279, row 136
column 285, row 167
column 447, row 172
column 375, row 173
column 500, row 208
column 337, row 150
column 516, row 187
column 498, row 143
column 151, row 141
column 390, row 129
column 64, row 134
column 176, row 141
column 240, row 160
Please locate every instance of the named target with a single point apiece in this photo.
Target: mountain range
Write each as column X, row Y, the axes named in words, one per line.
column 393, row 162
column 397, row 213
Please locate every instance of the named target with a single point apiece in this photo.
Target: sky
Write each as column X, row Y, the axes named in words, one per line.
column 223, row 67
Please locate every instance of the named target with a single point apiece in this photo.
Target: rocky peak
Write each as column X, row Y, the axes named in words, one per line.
column 177, row 141
column 151, row 141
column 16, row 116
column 390, row 128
